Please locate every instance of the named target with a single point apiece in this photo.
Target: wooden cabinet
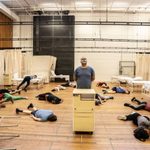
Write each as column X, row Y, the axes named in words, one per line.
column 7, row 79
column 83, row 110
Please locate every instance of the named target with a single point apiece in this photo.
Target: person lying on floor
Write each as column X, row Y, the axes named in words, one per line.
column 103, row 85
column 8, row 97
column 58, row 88
column 49, row 97
column 99, row 99
column 143, row 123
column 10, row 91
column 3, row 96
column 115, row 89
column 69, row 84
column 141, row 105
column 38, row 114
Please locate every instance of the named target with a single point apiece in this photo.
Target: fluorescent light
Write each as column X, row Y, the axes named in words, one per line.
column 48, row 4
column 84, row 4
column 120, row 4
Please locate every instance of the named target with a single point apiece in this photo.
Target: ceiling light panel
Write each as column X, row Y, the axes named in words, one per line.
column 120, row 4
column 84, row 5
column 140, row 3
column 11, row 4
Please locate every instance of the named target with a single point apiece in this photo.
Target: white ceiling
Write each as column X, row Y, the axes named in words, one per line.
column 28, row 6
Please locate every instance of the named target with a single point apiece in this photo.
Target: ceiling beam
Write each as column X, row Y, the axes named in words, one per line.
column 5, row 10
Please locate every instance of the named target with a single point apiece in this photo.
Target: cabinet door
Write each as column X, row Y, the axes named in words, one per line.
column 83, row 121
column 83, row 105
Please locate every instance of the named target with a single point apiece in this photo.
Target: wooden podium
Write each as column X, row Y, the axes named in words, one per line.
column 83, row 110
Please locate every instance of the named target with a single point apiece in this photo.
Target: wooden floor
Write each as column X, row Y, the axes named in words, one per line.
column 109, row 134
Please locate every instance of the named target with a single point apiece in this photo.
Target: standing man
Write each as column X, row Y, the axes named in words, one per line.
column 26, row 80
column 84, row 75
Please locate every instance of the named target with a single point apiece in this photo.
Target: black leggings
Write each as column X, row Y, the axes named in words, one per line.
column 141, row 105
column 133, row 117
column 26, row 79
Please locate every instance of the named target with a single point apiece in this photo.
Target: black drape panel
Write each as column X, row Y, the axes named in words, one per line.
column 54, row 35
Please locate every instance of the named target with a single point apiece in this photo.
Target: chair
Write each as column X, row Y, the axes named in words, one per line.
column 53, row 76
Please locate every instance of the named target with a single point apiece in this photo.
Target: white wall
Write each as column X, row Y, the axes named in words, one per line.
column 23, row 31
column 105, row 64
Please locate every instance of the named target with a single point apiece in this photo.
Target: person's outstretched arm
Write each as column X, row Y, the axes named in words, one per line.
column 36, row 119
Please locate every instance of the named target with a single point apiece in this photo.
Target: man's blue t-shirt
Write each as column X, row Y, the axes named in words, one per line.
column 119, row 90
column 43, row 114
column 84, row 77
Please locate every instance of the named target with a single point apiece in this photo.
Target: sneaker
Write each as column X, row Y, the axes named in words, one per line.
column 17, row 111
column 53, row 90
column 133, row 112
column 30, row 106
column 121, row 118
column 104, row 92
column 111, row 97
column 126, row 104
column 133, row 99
column 25, row 90
column 19, row 91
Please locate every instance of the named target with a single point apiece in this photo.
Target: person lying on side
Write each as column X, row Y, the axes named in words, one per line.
column 115, row 89
column 8, row 97
column 142, row 122
column 49, row 97
column 58, row 88
column 99, row 99
column 103, row 85
column 142, row 105
column 69, row 84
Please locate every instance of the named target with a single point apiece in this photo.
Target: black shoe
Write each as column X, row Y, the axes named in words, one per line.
column 18, row 110
column 53, row 90
column 97, row 102
column 104, row 92
column 25, row 90
column 133, row 99
column 111, row 97
column 126, row 104
column 30, row 106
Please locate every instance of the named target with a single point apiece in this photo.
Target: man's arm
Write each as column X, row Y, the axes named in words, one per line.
column 35, row 118
column 93, row 75
column 74, row 77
